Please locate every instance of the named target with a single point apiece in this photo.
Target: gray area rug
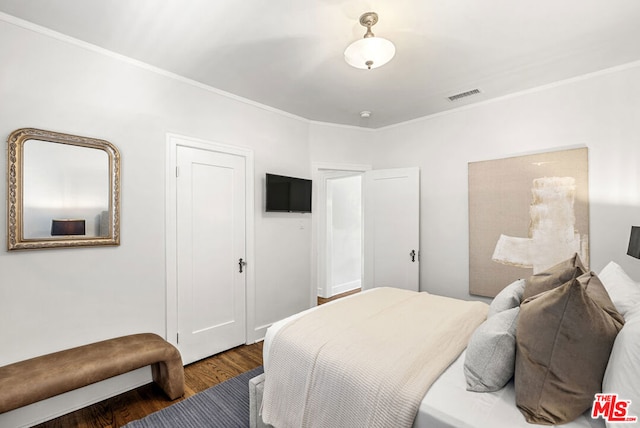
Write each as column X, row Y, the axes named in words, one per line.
column 225, row 405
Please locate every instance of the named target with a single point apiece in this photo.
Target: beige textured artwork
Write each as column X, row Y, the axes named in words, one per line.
column 526, row 214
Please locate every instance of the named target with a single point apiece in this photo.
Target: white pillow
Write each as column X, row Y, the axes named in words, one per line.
column 491, row 354
column 624, row 291
column 622, row 376
column 509, row 297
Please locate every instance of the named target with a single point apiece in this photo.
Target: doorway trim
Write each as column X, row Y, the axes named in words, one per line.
column 171, row 229
column 319, row 220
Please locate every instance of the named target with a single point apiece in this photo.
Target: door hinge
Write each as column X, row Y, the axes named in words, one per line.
column 177, row 171
column 177, row 337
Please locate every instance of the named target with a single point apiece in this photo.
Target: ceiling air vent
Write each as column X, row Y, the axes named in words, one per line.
column 456, row 97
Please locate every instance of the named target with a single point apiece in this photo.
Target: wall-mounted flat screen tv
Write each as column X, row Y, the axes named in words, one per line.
column 288, row 194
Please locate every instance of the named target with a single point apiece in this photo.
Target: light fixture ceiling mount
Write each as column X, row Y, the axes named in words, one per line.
column 370, row 51
column 369, row 19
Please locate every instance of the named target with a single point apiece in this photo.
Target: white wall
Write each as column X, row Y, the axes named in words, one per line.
column 599, row 111
column 337, row 144
column 54, row 84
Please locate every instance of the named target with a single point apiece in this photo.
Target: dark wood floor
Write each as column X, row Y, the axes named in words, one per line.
column 140, row 402
column 135, row 404
column 322, row 300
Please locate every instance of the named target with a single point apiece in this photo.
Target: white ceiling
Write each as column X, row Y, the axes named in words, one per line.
column 288, row 54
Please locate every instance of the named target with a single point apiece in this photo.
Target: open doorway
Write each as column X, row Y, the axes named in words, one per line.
column 337, row 230
column 391, row 228
column 343, row 235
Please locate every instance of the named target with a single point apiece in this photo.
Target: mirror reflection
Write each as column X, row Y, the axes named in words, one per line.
column 64, row 192
column 64, row 184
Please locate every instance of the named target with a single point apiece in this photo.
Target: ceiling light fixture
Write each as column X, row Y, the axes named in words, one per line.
column 370, row 51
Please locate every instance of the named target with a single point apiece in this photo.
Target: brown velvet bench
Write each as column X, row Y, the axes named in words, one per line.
column 38, row 378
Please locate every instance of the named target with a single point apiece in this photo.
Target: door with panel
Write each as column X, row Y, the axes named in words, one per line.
column 391, row 205
column 210, row 252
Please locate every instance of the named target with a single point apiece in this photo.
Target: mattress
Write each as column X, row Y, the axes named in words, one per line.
column 447, row 404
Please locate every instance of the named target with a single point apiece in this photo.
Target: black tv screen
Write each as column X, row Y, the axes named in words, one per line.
column 288, row 194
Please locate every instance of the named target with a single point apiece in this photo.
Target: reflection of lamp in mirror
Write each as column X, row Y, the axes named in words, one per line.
column 67, row 227
column 634, row 242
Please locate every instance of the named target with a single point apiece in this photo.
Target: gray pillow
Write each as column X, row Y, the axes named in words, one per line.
column 490, row 357
column 508, row 298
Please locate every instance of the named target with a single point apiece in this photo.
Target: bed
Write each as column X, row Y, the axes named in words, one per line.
column 448, row 403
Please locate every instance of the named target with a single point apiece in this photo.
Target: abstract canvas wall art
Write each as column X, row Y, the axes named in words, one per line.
column 526, row 213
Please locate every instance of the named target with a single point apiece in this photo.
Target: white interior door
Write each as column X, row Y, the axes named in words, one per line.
column 211, row 286
column 391, row 208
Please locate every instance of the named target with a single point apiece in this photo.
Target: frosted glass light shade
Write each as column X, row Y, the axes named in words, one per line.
column 370, row 52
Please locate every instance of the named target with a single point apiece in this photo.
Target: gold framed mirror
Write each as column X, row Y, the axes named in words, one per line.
column 62, row 191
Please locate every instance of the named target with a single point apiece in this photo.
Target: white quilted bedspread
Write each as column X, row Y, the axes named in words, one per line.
column 365, row 361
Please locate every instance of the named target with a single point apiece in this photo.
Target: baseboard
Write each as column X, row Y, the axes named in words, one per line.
column 259, row 333
column 347, row 286
column 71, row 401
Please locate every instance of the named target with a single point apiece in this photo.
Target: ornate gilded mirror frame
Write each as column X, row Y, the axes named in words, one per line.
column 58, row 182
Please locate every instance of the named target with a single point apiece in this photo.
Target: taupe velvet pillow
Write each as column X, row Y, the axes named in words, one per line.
column 554, row 277
column 563, row 341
